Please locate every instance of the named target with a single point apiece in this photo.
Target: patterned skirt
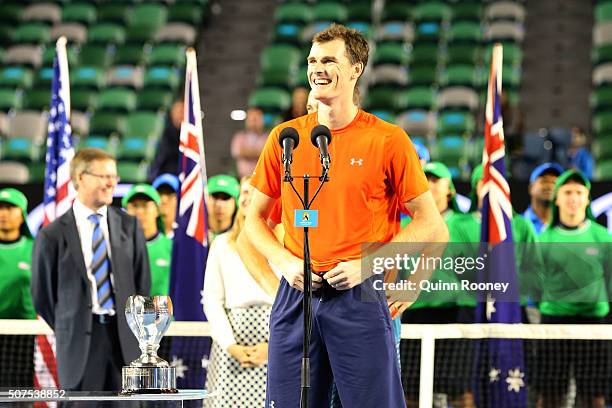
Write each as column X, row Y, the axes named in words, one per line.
column 233, row 385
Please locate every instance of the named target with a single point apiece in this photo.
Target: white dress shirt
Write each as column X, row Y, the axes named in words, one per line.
column 86, row 229
column 227, row 285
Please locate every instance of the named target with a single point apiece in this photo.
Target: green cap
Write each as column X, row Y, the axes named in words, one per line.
column 222, row 183
column 440, row 170
column 572, row 174
column 16, row 198
column 477, row 175
column 141, row 189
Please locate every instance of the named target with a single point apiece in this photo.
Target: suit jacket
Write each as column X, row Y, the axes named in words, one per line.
column 62, row 292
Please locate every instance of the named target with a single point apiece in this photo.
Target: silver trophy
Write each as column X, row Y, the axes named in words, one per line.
column 149, row 318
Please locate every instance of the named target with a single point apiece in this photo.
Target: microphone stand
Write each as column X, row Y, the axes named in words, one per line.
column 307, row 300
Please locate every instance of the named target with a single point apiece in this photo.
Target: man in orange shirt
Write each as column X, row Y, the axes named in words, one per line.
column 374, row 169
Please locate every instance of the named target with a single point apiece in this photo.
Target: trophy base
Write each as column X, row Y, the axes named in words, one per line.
column 148, row 380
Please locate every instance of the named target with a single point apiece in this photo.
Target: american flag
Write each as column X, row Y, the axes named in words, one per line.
column 58, row 194
column 504, row 382
column 190, row 248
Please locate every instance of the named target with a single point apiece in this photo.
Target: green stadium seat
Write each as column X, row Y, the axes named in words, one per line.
column 423, row 74
column 270, row 99
column 463, row 54
column 428, row 31
column 106, row 33
column 107, row 124
column 419, row 98
column 167, row 55
column 43, row 78
column 603, row 170
column 382, row 98
column 88, row 77
column 459, row 123
column 602, row 123
column 37, row 172
column 129, row 55
column 432, row 11
column 114, row 12
column 359, row 11
column 284, row 78
column 135, row 149
column 602, row 54
column 11, row 13
column 271, row 119
column 464, row 74
column 396, row 11
column 117, row 100
column 31, row 33
column 330, row 11
column 16, row 77
column 83, row 99
column 294, row 13
column 602, row 147
column 362, row 27
column 287, row 33
column 450, row 150
column 6, row 33
column 465, row 31
column 475, row 149
column 153, row 100
column 37, row 99
column 10, row 99
column 391, row 53
column 161, row 77
column 424, row 53
column 21, row 149
column 84, row 13
column 132, row 171
column 144, row 125
column 301, row 79
column 281, row 56
column 186, row 13
column 95, row 55
column 465, row 10
column 601, row 98
column 108, row 144
column 148, row 15
column 603, row 11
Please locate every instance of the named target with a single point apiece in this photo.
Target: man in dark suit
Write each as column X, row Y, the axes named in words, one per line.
column 84, row 266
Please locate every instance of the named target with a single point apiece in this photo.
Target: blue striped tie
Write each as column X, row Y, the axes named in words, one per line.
column 100, row 265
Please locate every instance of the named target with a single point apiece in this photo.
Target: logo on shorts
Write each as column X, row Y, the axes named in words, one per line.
column 271, row 404
column 358, row 162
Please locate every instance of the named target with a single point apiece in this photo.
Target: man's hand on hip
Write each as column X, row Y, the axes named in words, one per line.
column 345, row 275
column 293, row 271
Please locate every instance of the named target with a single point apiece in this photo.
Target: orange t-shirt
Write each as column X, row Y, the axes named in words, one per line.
column 374, row 169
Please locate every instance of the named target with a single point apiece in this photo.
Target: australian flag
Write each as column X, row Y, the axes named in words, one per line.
column 501, row 360
column 190, row 248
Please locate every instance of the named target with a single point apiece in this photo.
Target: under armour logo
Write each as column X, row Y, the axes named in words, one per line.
column 355, row 161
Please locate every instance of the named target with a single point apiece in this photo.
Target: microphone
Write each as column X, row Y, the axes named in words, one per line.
column 321, row 138
column 289, row 140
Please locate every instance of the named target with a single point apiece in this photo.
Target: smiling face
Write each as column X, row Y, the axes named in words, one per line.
column 330, row 73
column 572, row 200
column 95, row 185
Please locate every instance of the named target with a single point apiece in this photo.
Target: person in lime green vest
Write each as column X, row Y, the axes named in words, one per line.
column 578, row 276
column 15, row 257
column 143, row 201
column 438, row 307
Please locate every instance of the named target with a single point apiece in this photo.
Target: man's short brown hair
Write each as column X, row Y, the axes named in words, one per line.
column 356, row 45
column 84, row 157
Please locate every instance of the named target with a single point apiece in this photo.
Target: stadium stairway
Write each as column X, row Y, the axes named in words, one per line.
column 228, row 63
column 557, row 59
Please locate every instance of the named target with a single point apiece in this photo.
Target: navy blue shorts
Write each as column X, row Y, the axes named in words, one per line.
column 352, row 344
